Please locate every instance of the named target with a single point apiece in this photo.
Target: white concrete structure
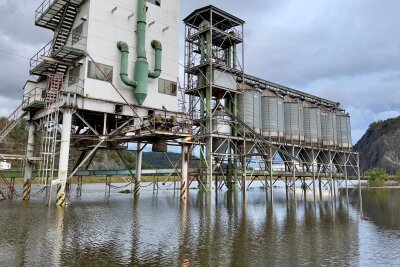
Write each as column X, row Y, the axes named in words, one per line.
column 97, row 28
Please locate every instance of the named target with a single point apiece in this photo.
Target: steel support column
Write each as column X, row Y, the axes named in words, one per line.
column 185, row 173
column 138, row 176
column 28, row 161
column 64, row 155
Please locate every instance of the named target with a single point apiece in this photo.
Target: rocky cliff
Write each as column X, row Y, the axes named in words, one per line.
column 380, row 146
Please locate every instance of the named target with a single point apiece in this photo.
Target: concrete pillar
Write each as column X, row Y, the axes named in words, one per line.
column 28, row 163
column 270, row 162
column 64, row 155
column 185, row 173
column 139, row 159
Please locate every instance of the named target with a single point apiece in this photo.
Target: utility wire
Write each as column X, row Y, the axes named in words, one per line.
column 13, row 54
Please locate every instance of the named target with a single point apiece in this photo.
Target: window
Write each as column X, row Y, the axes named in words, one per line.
column 167, row 87
column 155, row 2
column 100, row 71
column 77, row 34
column 74, row 75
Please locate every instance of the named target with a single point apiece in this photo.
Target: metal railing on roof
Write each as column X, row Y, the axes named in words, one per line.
column 43, row 8
column 36, row 96
column 73, row 41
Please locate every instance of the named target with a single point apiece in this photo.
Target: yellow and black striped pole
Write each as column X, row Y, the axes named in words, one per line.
column 26, row 194
column 183, row 191
column 60, row 196
column 136, row 190
column 185, row 172
column 138, row 175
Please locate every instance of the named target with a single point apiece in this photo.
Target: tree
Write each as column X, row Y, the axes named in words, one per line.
column 376, row 177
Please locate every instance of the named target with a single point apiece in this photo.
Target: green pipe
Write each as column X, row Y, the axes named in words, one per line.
column 123, row 47
column 157, row 70
column 229, row 63
column 234, row 56
column 142, row 73
column 203, row 48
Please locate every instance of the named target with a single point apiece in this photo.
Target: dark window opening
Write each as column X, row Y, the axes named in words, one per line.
column 100, row 71
column 74, row 75
column 77, row 34
column 167, row 87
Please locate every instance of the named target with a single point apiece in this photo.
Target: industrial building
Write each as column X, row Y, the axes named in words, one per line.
column 110, row 77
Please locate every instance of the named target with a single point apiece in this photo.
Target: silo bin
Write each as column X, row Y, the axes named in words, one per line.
column 272, row 114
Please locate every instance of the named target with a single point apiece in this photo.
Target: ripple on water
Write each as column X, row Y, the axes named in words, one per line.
column 221, row 230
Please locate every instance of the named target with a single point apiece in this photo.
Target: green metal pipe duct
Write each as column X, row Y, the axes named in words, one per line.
column 158, row 49
column 142, row 73
column 234, row 56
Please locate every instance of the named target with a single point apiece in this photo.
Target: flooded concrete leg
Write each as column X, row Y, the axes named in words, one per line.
column 185, row 173
column 64, row 156
column 26, row 195
column 139, row 154
column 270, row 173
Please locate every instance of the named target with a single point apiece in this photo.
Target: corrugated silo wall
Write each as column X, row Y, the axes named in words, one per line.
column 293, row 121
column 272, row 111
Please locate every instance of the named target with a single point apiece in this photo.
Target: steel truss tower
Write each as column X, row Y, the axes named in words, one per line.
column 231, row 151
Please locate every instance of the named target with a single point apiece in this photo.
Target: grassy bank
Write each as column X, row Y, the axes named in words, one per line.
column 114, row 179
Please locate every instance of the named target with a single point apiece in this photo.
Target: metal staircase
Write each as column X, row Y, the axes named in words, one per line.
column 56, row 56
column 12, row 121
column 50, row 13
column 50, row 127
column 64, row 29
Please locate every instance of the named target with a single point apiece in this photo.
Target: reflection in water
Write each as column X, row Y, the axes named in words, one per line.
column 296, row 228
column 381, row 206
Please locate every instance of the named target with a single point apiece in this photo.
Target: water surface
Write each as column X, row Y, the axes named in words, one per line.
column 219, row 229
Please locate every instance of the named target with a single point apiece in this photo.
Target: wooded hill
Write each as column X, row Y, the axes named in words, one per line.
column 379, row 147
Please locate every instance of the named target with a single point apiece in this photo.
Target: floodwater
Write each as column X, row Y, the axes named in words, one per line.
column 225, row 229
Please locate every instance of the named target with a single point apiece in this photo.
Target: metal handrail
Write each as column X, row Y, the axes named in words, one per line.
column 14, row 116
column 36, row 59
column 42, row 8
column 48, row 49
column 36, row 93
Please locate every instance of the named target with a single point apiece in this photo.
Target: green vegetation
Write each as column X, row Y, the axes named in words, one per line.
column 15, row 142
column 377, row 177
column 387, row 126
column 397, row 176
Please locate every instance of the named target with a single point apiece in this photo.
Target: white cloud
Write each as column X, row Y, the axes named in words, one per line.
column 346, row 51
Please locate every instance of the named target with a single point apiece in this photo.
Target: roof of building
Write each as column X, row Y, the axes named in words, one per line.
column 204, row 13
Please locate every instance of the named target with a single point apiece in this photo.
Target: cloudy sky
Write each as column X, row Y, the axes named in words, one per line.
column 344, row 50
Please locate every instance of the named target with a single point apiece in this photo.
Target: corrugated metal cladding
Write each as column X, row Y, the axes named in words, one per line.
column 221, row 123
column 293, row 121
column 343, row 130
column 249, row 108
column 220, row 126
column 312, row 125
column 328, row 126
column 272, row 111
column 224, row 79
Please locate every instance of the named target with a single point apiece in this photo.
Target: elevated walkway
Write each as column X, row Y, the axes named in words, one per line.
column 50, row 13
column 65, row 48
column 47, row 61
